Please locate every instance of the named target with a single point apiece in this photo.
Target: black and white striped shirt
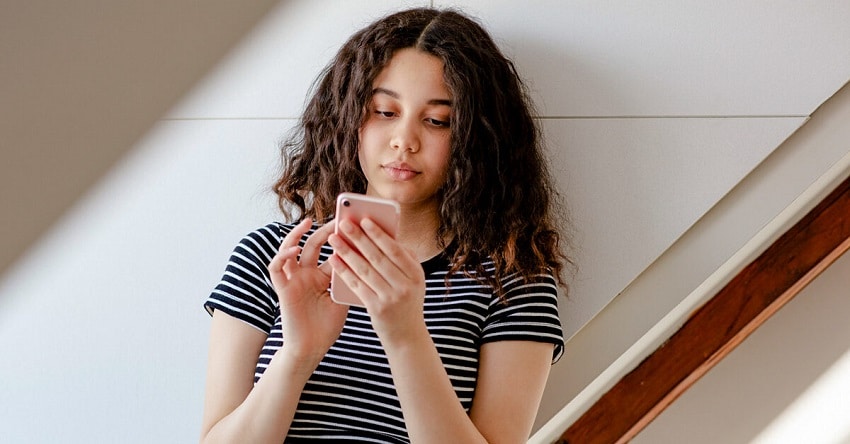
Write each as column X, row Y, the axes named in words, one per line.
column 350, row 396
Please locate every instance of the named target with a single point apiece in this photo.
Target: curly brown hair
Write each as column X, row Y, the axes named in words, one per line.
column 498, row 200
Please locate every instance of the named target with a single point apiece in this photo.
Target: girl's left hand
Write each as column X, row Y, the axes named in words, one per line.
column 385, row 276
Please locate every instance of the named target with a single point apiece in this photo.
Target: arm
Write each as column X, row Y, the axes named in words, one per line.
column 236, row 410
column 511, row 378
column 432, row 411
column 512, row 374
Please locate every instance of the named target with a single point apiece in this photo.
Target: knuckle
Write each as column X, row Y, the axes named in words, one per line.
column 376, row 258
column 364, row 272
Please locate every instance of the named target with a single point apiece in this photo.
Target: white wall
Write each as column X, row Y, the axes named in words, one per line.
column 653, row 113
column 768, row 201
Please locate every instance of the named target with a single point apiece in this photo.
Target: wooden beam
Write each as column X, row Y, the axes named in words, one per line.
column 716, row 328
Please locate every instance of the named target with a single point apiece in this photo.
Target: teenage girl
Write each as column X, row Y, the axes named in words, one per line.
column 460, row 320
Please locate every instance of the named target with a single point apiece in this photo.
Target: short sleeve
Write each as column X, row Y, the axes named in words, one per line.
column 528, row 312
column 245, row 291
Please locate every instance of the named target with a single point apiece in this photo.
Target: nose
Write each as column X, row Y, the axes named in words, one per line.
column 405, row 135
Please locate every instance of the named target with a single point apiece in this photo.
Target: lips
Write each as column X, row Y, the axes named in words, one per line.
column 399, row 171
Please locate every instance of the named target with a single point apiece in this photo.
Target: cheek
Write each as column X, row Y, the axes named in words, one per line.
column 362, row 146
column 366, row 137
column 443, row 163
column 361, row 158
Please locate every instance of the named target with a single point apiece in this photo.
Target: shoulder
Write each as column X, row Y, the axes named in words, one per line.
column 271, row 235
column 527, row 310
column 537, row 293
column 514, row 284
column 262, row 244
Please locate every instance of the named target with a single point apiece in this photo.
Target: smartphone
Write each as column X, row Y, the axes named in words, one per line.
column 355, row 207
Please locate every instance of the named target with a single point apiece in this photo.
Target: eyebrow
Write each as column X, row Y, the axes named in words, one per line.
column 395, row 95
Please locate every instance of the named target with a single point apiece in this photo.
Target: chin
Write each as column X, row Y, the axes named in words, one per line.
column 405, row 194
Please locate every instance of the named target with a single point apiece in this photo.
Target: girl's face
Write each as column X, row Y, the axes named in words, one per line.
column 405, row 139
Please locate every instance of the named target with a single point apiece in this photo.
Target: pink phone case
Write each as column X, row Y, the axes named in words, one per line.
column 355, row 207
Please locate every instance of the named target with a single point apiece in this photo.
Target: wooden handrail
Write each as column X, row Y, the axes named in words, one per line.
column 718, row 326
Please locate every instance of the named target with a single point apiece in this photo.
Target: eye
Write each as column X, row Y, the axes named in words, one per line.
column 385, row 114
column 438, row 123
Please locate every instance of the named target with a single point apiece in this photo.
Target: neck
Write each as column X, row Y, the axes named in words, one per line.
column 418, row 231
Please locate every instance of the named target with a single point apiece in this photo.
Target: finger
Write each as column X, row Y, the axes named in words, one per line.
column 405, row 270
column 390, row 251
column 351, row 232
column 350, row 278
column 281, row 258
column 351, row 237
column 390, row 266
column 326, row 268
column 313, row 246
column 352, row 266
column 290, row 267
column 294, row 236
column 278, row 275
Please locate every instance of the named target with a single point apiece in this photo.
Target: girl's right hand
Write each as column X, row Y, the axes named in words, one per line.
column 311, row 321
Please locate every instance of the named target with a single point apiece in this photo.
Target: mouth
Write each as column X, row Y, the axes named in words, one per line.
column 400, row 171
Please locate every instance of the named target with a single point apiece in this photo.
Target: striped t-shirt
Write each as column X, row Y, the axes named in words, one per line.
column 350, row 397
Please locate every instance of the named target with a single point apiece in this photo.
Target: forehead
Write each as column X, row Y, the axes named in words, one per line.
column 413, row 72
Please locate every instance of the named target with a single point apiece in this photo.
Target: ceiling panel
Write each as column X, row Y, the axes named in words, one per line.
column 673, row 58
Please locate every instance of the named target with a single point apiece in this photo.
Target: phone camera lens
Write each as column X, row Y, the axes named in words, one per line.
column 346, row 203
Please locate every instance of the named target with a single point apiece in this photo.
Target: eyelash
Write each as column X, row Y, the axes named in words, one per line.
column 439, row 123
column 430, row 120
